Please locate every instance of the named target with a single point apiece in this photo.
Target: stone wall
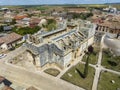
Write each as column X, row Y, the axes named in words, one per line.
column 45, row 53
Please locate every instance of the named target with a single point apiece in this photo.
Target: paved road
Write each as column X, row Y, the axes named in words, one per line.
column 29, row 78
column 96, row 79
column 98, row 70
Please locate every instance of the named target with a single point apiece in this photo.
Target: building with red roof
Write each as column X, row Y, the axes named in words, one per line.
column 10, row 40
column 20, row 17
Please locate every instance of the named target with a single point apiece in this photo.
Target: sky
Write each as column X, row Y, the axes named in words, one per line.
column 39, row 2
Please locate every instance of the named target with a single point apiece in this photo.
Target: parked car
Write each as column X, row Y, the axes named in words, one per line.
column 2, row 55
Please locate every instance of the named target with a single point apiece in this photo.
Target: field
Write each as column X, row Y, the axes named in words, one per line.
column 105, row 82
column 109, row 61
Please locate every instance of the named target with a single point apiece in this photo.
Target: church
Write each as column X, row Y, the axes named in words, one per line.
column 62, row 46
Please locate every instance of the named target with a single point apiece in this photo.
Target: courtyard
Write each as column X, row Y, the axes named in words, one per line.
column 75, row 76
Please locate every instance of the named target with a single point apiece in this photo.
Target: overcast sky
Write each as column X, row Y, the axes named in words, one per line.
column 38, row 2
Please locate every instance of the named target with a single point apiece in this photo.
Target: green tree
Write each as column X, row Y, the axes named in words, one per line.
column 49, row 21
column 1, row 28
column 26, row 9
column 90, row 50
column 30, row 15
column 51, row 26
column 13, row 22
column 86, row 66
column 83, row 16
column 26, row 30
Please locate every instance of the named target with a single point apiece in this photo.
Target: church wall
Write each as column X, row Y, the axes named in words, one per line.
column 67, row 59
column 91, row 41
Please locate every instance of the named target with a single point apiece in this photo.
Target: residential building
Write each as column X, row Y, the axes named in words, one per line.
column 111, row 27
column 34, row 22
column 9, row 41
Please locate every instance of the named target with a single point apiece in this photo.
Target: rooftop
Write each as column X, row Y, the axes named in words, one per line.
column 113, row 25
column 12, row 37
column 19, row 17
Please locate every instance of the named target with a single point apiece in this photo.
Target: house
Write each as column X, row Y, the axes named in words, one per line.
column 111, row 27
column 34, row 22
column 23, row 22
column 97, row 20
column 7, row 28
column 20, row 17
column 10, row 40
column 8, row 16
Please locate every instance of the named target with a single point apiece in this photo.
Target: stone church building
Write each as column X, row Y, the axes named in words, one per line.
column 61, row 46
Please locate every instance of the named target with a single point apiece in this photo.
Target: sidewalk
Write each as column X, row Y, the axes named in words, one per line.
column 97, row 72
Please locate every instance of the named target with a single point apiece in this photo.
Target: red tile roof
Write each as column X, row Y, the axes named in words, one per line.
column 19, row 17
column 1, row 41
column 35, row 20
column 10, row 38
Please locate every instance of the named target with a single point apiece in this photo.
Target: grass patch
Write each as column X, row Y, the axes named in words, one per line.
column 51, row 71
column 105, row 81
column 93, row 58
column 77, row 76
column 109, row 61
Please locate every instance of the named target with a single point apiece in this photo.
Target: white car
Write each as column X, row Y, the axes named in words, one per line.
column 2, row 55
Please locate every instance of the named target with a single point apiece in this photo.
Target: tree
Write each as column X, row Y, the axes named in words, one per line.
column 118, row 34
column 90, row 50
column 13, row 22
column 51, row 21
column 86, row 67
column 30, row 15
column 26, row 30
column 1, row 28
column 25, row 9
column 83, row 16
column 51, row 26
